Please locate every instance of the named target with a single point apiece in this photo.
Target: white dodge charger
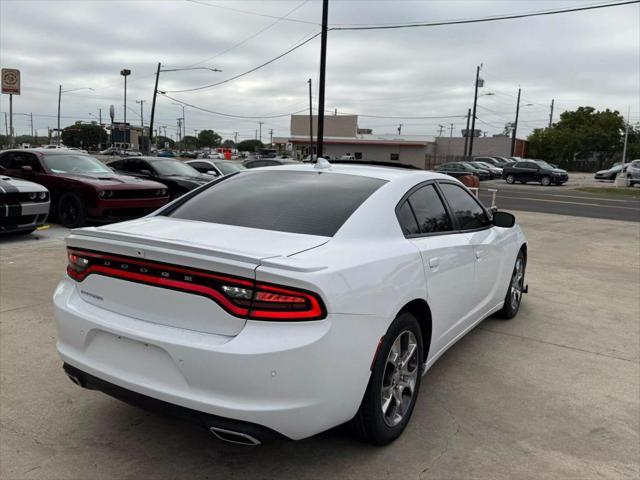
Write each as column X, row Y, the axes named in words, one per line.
column 288, row 300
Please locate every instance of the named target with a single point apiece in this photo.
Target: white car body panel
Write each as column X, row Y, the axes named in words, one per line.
column 187, row 350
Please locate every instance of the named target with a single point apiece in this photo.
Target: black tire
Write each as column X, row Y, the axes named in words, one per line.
column 545, row 181
column 510, row 179
column 510, row 308
column 70, row 211
column 369, row 424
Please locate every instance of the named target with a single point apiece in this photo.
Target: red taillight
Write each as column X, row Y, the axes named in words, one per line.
column 238, row 296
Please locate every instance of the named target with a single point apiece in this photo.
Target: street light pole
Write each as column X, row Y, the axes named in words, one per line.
column 323, row 67
column 156, row 91
column 60, row 92
column 551, row 113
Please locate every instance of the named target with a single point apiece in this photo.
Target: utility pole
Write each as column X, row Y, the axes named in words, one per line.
column 310, row 123
column 100, row 116
column 466, row 137
column 450, row 138
column 515, row 125
column 31, row 118
column 142, row 147
column 323, row 68
column 153, row 106
column 441, row 129
column 551, row 113
column 58, row 129
column 260, row 123
column 256, row 133
column 473, row 117
column 400, row 129
column 271, row 137
column 179, row 133
column 235, row 140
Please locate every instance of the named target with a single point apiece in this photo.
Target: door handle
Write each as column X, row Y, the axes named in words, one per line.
column 434, row 263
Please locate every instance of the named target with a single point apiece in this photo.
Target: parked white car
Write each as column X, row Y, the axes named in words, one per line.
column 24, row 205
column 216, row 167
column 287, row 300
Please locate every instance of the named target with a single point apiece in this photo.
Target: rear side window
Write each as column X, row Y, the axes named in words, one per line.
column 311, row 203
column 429, row 210
column 467, row 210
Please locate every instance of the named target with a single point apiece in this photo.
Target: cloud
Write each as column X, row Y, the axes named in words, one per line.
column 586, row 58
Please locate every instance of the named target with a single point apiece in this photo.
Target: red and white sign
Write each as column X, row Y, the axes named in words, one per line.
column 11, row 81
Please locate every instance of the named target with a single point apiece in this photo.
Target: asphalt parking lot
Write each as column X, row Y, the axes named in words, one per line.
column 553, row 393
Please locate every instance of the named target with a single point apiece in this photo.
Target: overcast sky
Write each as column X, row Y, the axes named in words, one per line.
column 586, row 58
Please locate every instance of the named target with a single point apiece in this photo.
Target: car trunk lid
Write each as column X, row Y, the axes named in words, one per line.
column 174, row 272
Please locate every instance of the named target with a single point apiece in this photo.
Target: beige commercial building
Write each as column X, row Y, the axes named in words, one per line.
column 342, row 137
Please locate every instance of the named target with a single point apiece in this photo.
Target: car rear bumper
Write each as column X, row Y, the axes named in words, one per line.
column 297, row 378
column 23, row 216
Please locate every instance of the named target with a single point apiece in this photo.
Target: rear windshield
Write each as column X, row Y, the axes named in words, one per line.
column 312, row 203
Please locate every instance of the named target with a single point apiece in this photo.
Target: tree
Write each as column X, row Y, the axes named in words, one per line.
column 84, row 135
column 208, row 138
column 162, row 141
column 250, row 145
column 584, row 139
column 190, row 142
column 228, row 144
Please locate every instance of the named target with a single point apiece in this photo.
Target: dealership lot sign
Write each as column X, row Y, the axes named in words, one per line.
column 11, row 81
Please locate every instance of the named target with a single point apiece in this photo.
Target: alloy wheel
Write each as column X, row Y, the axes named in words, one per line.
column 517, row 281
column 399, row 378
column 510, row 179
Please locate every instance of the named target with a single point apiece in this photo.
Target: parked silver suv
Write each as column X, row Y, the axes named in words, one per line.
column 633, row 172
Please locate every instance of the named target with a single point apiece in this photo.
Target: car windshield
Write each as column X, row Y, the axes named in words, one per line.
column 311, row 203
column 75, row 163
column 174, row 167
column 227, row 167
column 543, row 164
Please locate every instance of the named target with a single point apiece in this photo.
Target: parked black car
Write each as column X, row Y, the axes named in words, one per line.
column 176, row 175
column 495, row 172
column 268, row 162
column 460, row 169
column 540, row 171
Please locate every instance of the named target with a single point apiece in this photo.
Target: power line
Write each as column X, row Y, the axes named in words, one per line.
column 250, row 37
column 229, row 114
column 485, row 19
column 248, row 71
column 248, row 12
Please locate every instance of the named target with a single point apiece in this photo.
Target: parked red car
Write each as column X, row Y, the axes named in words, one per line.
column 82, row 187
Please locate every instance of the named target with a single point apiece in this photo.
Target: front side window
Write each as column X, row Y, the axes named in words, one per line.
column 72, row 163
column 20, row 160
column 311, row 203
column 468, row 212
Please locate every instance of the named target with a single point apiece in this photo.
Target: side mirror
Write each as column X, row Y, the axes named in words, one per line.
column 212, row 172
column 27, row 169
column 145, row 172
column 504, row 219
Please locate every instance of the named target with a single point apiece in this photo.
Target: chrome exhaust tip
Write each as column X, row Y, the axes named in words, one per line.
column 237, row 438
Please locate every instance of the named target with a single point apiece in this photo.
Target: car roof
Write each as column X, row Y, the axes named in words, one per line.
column 383, row 173
column 48, row 151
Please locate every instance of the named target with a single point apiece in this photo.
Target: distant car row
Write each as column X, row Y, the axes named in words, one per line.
column 512, row 170
column 77, row 188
